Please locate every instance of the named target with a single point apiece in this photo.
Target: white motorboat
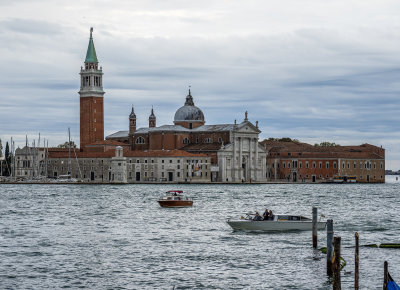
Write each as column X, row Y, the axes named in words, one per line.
column 279, row 222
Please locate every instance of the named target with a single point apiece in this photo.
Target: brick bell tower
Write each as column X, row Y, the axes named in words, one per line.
column 91, row 99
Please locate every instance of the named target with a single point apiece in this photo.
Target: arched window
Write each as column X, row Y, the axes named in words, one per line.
column 139, row 140
column 185, row 141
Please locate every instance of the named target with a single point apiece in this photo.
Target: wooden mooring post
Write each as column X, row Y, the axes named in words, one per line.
column 336, row 264
column 329, row 246
column 314, row 227
column 356, row 265
column 385, row 275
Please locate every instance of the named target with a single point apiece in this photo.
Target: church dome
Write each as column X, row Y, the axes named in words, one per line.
column 189, row 112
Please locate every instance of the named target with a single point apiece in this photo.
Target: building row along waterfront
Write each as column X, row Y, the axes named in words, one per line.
column 188, row 150
column 116, row 166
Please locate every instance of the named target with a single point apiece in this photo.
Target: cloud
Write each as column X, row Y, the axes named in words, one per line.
column 298, row 68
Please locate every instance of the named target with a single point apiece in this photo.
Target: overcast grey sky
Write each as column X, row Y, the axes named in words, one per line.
column 312, row 70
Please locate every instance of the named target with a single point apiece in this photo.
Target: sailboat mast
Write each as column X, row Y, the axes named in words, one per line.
column 47, row 156
column 38, row 159
column 69, row 153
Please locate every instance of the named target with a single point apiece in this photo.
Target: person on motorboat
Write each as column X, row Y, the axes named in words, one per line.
column 257, row 217
column 270, row 215
column 266, row 214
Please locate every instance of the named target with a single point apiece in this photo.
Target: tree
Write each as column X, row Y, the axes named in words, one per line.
column 7, row 165
column 326, row 144
column 66, row 145
column 284, row 139
column 1, row 149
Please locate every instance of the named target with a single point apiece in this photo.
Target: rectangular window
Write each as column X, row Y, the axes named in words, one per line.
column 320, row 165
column 334, row 164
column 306, row 164
column 300, row 164
column 354, row 165
column 327, row 165
column 283, row 165
column 314, row 165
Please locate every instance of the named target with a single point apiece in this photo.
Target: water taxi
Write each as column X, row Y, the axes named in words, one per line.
column 278, row 222
column 175, row 198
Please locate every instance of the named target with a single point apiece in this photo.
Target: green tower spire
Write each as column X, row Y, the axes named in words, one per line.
column 91, row 51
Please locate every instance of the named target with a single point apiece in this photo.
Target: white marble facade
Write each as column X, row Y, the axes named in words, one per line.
column 243, row 160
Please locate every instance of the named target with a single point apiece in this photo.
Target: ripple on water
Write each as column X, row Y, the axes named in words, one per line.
column 107, row 236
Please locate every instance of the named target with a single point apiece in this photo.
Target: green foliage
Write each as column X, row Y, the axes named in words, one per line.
column 326, row 144
column 66, row 145
column 284, row 139
column 7, row 161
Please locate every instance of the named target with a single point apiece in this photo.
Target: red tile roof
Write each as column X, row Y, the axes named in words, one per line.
column 307, row 150
column 127, row 153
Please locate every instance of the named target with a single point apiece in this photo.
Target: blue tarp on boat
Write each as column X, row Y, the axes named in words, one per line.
column 391, row 285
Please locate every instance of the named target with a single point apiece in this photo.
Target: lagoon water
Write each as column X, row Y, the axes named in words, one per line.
column 118, row 237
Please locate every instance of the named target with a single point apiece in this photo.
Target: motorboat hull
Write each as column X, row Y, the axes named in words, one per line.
column 176, row 203
column 249, row 225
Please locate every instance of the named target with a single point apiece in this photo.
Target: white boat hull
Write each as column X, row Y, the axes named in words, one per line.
column 249, row 225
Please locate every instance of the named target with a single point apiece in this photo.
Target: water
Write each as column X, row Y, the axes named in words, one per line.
column 117, row 237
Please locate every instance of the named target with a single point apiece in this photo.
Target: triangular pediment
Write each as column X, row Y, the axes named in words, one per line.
column 247, row 127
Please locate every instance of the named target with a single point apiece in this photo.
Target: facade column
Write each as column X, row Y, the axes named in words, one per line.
column 250, row 158
column 223, row 168
column 240, row 158
column 256, row 158
column 234, row 164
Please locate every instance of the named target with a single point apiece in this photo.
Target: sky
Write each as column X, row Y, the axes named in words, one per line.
column 311, row 70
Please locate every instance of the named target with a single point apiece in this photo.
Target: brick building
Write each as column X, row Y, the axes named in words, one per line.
column 300, row 162
column 233, row 149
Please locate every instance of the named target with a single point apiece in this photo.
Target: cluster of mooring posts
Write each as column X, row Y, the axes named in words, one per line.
column 334, row 262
